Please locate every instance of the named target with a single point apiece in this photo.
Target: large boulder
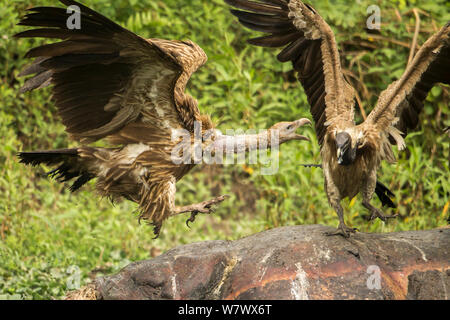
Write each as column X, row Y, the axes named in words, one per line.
column 297, row 262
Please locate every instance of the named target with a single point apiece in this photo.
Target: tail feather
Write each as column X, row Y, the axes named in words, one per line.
column 69, row 163
column 385, row 195
column 48, row 157
column 81, row 181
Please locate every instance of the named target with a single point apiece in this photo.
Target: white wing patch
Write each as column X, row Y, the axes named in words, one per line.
column 132, row 151
column 155, row 97
column 302, row 21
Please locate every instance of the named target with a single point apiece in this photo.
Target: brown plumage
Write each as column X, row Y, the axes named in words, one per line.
column 350, row 153
column 108, row 83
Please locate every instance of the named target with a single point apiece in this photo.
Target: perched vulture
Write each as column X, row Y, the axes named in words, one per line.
column 351, row 153
column 108, row 83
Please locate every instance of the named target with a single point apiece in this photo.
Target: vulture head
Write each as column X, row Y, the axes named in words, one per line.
column 287, row 130
column 347, row 145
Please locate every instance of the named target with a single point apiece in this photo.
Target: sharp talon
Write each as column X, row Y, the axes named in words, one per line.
column 191, row 219
column 206, row 207
column 156, row 231
column 342, row 230
column 381, row 216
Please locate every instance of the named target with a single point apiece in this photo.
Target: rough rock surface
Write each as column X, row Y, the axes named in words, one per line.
column 293, row 263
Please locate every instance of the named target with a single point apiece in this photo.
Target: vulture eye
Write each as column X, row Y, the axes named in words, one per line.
column 290, row 127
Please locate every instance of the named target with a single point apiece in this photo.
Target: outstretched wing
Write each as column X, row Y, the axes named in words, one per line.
column 310, row 45
column 399, row 106
column 107, row 79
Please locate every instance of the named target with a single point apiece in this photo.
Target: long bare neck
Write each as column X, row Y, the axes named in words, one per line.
column 245, row 142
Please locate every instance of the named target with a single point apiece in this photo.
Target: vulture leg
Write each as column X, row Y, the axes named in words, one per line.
column 334, row 198
column 202, row 207
column 377, row 213
column 342, row 229
column 368, row 189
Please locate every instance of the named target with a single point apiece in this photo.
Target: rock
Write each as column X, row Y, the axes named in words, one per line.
column 297, row 262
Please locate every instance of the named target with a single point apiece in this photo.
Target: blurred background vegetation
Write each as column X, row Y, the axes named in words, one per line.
column 44, row 230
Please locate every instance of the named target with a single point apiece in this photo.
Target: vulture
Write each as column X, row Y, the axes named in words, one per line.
column 112, row 85
column 351, row 153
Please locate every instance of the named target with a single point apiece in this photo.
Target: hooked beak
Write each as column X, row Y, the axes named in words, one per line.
column 340, row 155
column 300, row 123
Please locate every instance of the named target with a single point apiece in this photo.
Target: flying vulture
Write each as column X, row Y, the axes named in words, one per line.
column 350, row 153
column 108, row 83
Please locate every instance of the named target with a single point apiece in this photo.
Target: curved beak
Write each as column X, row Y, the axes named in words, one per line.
column 300, row 123
column 340, row 156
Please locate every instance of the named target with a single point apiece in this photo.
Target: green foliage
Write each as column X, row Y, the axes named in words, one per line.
column 44, row 229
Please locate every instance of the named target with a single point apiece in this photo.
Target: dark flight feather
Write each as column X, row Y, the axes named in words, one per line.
column 271, row 8
column 305, row 54
column 261, row 19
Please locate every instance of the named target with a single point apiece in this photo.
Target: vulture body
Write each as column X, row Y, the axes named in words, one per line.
column 351, row 153
column 108, row 83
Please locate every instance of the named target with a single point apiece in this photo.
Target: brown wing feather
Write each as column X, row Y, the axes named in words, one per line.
column 310, row 45
column 105, row 77
column 400, row 104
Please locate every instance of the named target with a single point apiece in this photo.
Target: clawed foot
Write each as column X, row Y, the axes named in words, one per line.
column 376, row 213
column 156, row 230
column 342, row 230
column 206, row 207
column 192, row 218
